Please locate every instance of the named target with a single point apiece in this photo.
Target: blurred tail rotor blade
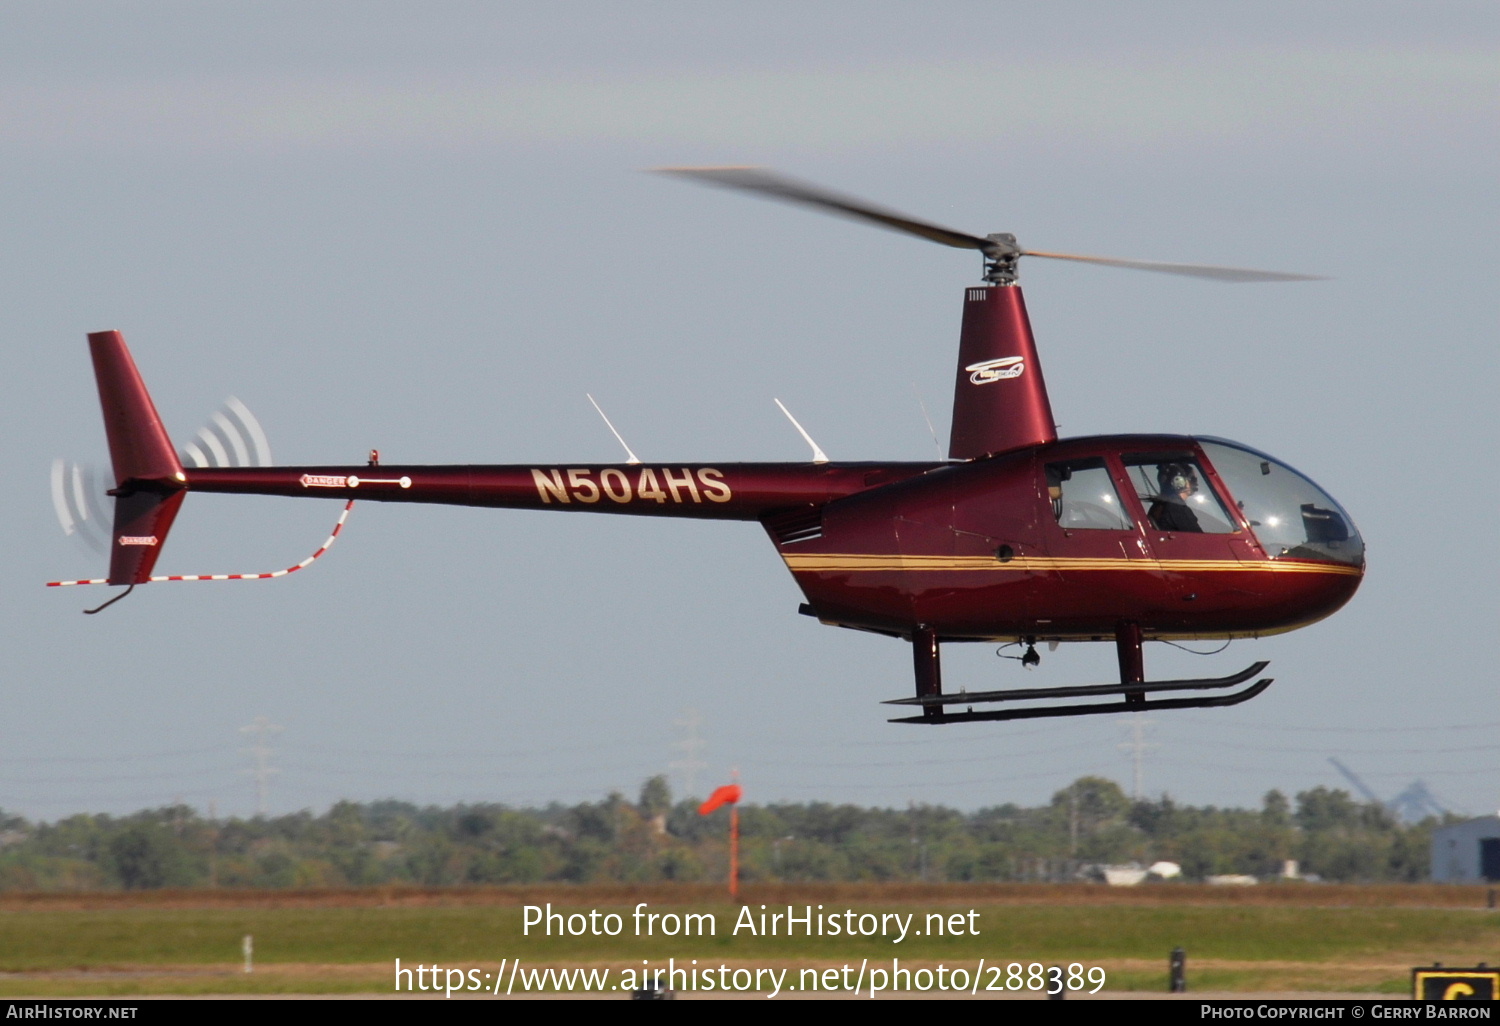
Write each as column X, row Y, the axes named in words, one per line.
column 261, row 456
column 1226, row 274
column 80, row 502
column 191, row 453
column 231, row 438
column 231, row 433
column 769, row 183
column 217, row 455
column 60, row 488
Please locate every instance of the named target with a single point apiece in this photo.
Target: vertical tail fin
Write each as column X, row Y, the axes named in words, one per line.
column 149, row 481
column 999, row 398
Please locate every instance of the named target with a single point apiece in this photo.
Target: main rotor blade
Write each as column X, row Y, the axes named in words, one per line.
column 1229, row 274
column 768, row 183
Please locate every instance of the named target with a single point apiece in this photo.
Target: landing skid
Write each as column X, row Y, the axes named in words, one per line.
column 1132, row 687
column 1086, row 691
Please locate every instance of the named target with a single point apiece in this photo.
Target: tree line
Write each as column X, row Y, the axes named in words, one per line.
column 651, row 839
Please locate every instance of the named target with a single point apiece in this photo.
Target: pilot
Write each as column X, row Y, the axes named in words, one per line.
column 1170, row 511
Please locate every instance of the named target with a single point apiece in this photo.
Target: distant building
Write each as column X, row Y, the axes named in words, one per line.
column 1131, row 874
column 1467, row 852
column 1165, row 870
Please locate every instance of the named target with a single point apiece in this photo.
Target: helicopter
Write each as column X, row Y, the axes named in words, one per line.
column 1018, row 537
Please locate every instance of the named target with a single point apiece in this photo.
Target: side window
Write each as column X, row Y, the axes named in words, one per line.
column 1176, row 494
column 1084, row 497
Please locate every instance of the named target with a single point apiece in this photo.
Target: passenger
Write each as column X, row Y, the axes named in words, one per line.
column 1170, row 511
column 1056, row 475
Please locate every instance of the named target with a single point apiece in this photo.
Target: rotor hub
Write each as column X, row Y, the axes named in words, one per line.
column 1001, row 257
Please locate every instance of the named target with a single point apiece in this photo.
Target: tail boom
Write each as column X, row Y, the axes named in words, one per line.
column 724, row 491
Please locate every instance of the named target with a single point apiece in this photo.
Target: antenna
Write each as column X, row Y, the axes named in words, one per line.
column 1359, row 785
column 818, row 454
column 930, row 429
column 631, row 457
column 1409, row 806
column 1416, row 803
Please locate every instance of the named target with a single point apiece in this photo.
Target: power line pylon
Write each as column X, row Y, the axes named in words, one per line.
column 691, row 746
column 261, row 751
column 1138, row 746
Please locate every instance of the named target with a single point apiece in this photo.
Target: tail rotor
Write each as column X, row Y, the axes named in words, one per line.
column 232, row 437
column 149, row 479
column 80, row 501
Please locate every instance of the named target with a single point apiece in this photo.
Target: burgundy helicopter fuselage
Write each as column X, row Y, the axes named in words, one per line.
column 1044, row 538
column 974, row 550
column 1018, row 536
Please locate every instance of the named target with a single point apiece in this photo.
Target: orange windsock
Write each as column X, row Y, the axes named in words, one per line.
column 726, row 795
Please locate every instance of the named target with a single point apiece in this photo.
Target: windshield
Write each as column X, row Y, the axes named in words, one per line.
column 1292, row 517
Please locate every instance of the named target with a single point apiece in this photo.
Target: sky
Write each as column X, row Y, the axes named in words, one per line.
column 424, row 228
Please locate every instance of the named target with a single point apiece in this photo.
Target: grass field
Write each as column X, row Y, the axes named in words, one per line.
column 1267, row 938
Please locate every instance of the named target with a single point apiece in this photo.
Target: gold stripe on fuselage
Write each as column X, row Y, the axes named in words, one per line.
column 888, row 562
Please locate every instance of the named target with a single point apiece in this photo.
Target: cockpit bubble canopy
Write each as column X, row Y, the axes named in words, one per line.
column 1292, row 517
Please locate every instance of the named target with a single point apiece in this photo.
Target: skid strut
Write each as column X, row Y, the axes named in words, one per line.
column 1132, row 660
column 929, row 671
column 1133, row 688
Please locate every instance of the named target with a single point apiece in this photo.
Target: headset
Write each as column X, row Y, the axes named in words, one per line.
column 1176, row 478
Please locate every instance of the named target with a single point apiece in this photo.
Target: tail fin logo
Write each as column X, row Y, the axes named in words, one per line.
column 987, row 371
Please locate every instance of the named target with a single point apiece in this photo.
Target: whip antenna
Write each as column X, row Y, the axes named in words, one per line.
column 631, row 457
column 818, row 454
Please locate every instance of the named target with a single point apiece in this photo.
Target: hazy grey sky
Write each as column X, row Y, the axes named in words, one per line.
column 422, row 228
